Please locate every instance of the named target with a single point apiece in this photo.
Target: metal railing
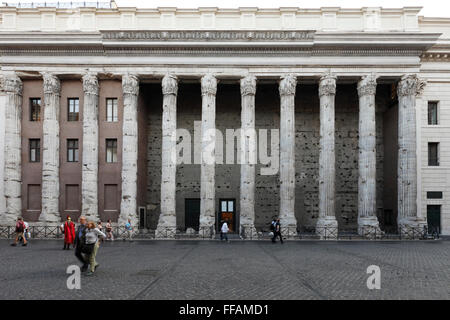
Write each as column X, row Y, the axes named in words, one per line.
column 288, row 233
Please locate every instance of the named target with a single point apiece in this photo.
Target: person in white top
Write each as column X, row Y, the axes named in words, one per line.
column 224, row 231
column 91, row 238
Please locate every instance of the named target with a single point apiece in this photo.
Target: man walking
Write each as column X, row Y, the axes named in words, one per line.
column 277, row 232
column 80, row 235
column 224, row 231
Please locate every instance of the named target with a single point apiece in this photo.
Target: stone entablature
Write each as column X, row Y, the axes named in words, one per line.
column 287, row 18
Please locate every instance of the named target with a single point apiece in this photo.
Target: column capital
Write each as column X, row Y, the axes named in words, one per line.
column 209, row 84
column 170, row 84
column 327, row 84
column 410, row 84
column 288, row 85
column 367, row 85
column 52, row 85
column 90, row 83
column 12, row 83
column 248, row 85
column 130, row 84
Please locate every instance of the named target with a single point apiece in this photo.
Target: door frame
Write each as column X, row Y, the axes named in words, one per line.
column 440, row 215
column 218, row 216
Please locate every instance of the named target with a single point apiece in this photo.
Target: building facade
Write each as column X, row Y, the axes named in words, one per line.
column 345, row 114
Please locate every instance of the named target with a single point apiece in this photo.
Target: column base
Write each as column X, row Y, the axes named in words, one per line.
column 412, row 228
column 163, row 232
column 327, row 228
column 289, row 231
column 206, row 231
column 369, row 228
column 248, row 232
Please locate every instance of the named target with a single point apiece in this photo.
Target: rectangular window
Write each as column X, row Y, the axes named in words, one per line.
column 434, row 195
column 35, row 150
column 112, row 113
column 73, row 109
column 72, row 150
column 433, row 154
column 432, row 113
column 35, row 109
column 111, row 150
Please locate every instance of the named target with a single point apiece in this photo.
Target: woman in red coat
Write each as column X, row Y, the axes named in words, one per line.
column 68, row 228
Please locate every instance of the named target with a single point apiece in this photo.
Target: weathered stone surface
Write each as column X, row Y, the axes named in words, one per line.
column 207, row 176
column 89, row 191
column 2, row 147
column 50, row 166
column 408, row 88
column 249, row 148
column 168, row 217
column 367, row 184
column 327, row 171
column 287, row 89
column 128, row 204
column 12, row 86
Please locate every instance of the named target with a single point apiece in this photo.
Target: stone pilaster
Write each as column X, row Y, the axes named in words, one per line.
column 89, row 190
column 408, row 221
column 327, row 225
column 248, row 154
column 368, row 225
column 128, row 204
column 167, row 223
column 287, row 88
column 207, row 179
column 50, row 150
column 2, row 147
column 13, row 88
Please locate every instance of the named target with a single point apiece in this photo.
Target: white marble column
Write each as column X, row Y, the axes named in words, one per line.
column 89, row 189
column 2, row 148
column 12, row 85
column 167, row 224
column 128, row 204
column 367, row 184
column 408, row 88
column 287, row 88
column 248, row 154
column 327, row 224
column 50, row 150
column 207, row 179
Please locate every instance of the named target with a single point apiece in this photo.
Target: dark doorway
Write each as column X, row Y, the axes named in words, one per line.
column 434, row 218
column 192, row 213
column 227, row 212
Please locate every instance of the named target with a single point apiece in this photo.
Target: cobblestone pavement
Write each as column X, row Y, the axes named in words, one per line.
column 236, row 270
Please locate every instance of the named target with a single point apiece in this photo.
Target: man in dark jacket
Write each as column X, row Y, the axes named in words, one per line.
column 277, row 232
column 79, row 242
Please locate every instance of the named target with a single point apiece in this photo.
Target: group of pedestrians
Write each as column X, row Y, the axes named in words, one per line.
column 22, row 233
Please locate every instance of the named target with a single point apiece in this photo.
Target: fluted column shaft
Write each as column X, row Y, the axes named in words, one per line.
column 207, row 179
column 168, row 219
column 13, row 147
column 128, row 204
column 367, row 185
column 327, row 170
column 408, row 88
column 89, row 190
column 2, row 147
column 248, row 154
column 287, row 88
column 50, row 150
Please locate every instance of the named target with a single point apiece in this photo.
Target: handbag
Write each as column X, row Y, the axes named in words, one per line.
column 87, row 248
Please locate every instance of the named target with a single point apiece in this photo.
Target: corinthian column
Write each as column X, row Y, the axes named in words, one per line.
column 248, row 155
column 90, row 147
column 408, row 88
column 327, row 225
column 167, row 224
column 128, row 204
column 287, row 89
column 13, row 164
column 207, row 187
column 367, row 184
column 50, row 165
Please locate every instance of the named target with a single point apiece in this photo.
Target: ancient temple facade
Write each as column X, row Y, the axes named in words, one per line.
column 178, row 119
